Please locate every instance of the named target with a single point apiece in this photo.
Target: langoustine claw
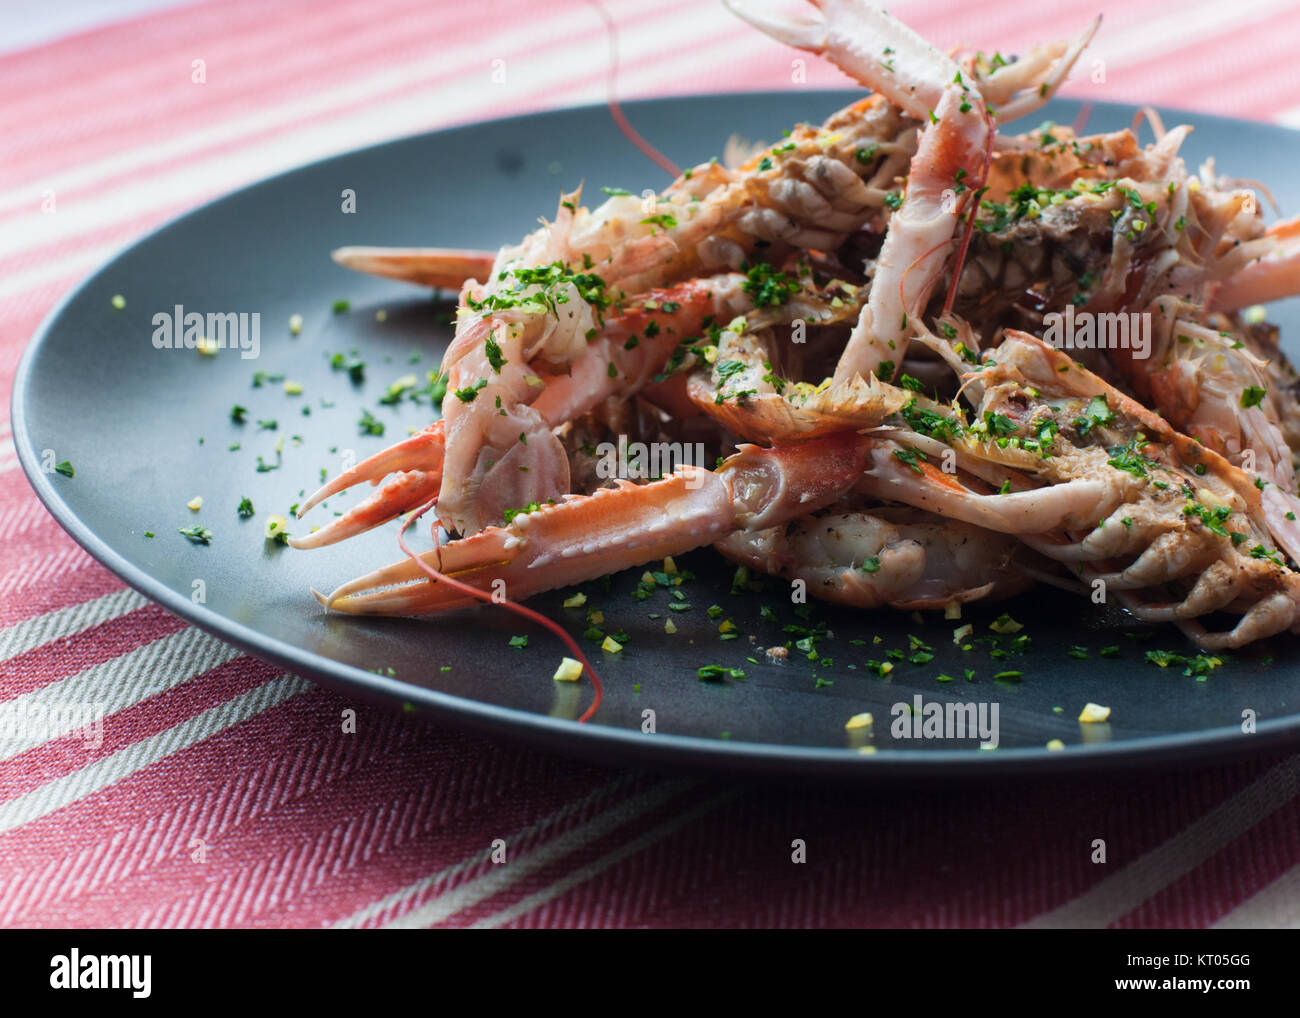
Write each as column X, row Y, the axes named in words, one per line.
column 439, row 267
column 587, row 536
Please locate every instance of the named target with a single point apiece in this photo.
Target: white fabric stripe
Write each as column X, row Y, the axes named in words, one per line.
column 612, row 858
column 105, row 689
column 499, row 878
column 1276, row 906
column 71, row 266
column 396, row 898
column 29, row 25
column 32, row 633
column 1117, row 895
column 61, row 792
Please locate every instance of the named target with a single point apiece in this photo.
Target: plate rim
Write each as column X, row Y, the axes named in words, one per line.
column 598, row 742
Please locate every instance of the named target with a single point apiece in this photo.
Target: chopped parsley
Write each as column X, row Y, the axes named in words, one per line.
column 911, row 457
column 1252, row 396
column 1128, row 458
column 354, row 366
column 494, row 354
column 542, row 289
column 1097, row 411
column 470, row 392
column 768, row 286
column 368, row 425
column 717, row 673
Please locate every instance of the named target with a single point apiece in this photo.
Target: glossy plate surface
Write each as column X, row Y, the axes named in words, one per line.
column 148, row 429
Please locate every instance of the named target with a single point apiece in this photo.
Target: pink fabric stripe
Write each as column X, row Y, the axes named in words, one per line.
column 135, row 224
column 759, row 80
column 26, row 561
column 590, row 852
column 270, row 51
column 378, row 839
column 77, row 577
column 44, row 665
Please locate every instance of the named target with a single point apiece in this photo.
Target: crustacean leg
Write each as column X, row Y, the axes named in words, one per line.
column 440, row 267
column 1273, row 277
column 587, row 536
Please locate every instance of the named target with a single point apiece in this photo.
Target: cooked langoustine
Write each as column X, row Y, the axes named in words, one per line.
column 1105, row 224
column 535, row 314
column 654, row 338
column 1116, row 229
column 532, row 312
column 1057, row 462
column 952, row 156
column 1088, row 477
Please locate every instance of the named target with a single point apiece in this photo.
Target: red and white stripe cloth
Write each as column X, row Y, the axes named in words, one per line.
column 224, row 793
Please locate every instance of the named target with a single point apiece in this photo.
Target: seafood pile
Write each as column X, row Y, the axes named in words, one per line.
column 861, row 326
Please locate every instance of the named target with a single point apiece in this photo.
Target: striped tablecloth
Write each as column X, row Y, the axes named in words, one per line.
column 224, row 793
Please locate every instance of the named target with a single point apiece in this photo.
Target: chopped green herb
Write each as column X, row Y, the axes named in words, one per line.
column 768, row 286
column 369, row 425
column 1251, row 396
column 469, row 393
column 716, row 673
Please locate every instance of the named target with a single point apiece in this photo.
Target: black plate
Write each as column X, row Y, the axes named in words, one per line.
column 93, row 388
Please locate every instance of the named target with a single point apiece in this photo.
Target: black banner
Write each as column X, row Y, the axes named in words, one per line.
column 142, row 969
